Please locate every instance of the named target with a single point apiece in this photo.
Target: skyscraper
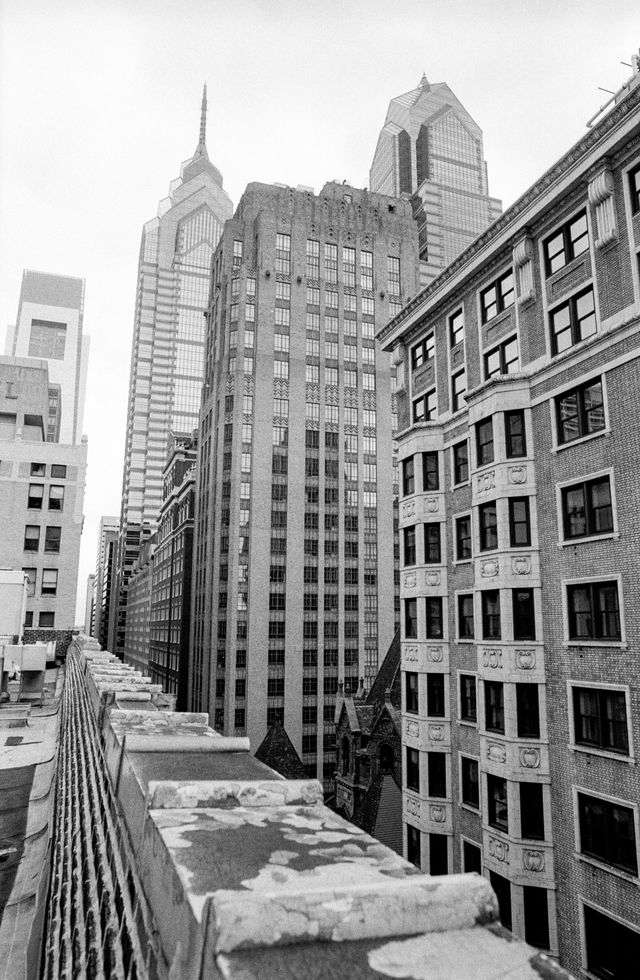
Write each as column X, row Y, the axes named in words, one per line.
column 105, row 578
column 49, row 328
column 431, row 148
column 168, row 346
column 294, row 567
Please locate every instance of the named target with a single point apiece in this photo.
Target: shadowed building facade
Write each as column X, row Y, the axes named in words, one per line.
column 294, row 566
column 519, row 423
column 431, row 149
column 168, row 348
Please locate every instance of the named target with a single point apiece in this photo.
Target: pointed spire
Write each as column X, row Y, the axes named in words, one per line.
column 424, row 82
column 201, row 149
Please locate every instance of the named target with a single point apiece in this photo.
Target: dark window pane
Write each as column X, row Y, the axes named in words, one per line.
column 531, row 811
column 438, row 861
column 536, row 916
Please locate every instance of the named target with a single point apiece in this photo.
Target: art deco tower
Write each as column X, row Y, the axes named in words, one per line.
column 168, row 345
column 431, row 148
column 294, row 566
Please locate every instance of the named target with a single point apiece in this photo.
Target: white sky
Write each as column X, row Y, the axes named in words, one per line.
column 100, row 103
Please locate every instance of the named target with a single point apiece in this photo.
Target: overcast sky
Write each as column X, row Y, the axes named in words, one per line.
column 100, row 103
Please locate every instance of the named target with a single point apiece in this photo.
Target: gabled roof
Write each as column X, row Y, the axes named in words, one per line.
column 388, row 676
column 277, row 750
column 380, row 811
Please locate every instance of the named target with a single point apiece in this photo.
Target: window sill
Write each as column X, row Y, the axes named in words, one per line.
column 466, row 639
column 463, row 561
column 459, row 486
column 471, row 809
column 569, row 542
column 595, row 644
column 578, row 442
column 602, row 866
column 468, row 724
column 603, row 753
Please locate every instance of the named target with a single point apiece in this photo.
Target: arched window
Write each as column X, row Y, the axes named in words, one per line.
column 345, row 756
column 387, row 761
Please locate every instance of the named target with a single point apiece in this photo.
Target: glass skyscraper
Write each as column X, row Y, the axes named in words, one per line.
column 168, row 346
column 431, row 148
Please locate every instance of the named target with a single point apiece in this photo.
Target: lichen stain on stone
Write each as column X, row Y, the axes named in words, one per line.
column 282, row 857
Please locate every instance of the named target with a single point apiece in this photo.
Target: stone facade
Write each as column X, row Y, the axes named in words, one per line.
column 518, row 442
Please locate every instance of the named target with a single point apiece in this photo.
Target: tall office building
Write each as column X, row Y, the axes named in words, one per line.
column 105, row 578
column 49, row 328
column 519, row 439
column 294, row 567
column 431, row 148
column 168, row 346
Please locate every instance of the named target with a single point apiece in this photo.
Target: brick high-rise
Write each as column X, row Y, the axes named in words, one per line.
column 519, row 440
column 294, row 564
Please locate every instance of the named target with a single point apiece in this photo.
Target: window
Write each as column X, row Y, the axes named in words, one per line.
column 536, row 916
column 411, row 693
column 422, row 352
column 594, row 611
column 488, row 520
column 586, row 508
column 600, row 719
column 566, row 244
column 36, row 494
column 469, row 779
column 409, row 535
column 497, row 799
column 460, row 462
column 393, row 279
column 28, row 619
column 494, row 706
column 503, row 359
column 413, row 845
column 413, row 769
column 528, row 712
column 283, row 254
column 46, row 620
column 607, row 832
column 52, row 539
column 58, row 471
column 514, row 432
column 613, row 950
column 331, row 262
column 438, row 854
column 435, row 695
column 471, row 857
column 468, row 704
column 49, row 585
column 38, row 469
column 56, row 497
column 634, row 187
column 408, row 477
column 519, row 522
column 31, row 580
column 424, row 408
column 580, row 412
column 463, row 538
column 432, row 550
column 410, row 618
column 465, row 617
column 497, row 297
column 524, row 619
column 430, row 471
column 484, row 441
column 573, row 321
column 437, row 774
column 502, row 888
column 491, row 615
column 456, row 328
column 313, row 259
column 434, row 617
column 237, row 254
column 31, row 537
column 531, row 811
column 458, row 390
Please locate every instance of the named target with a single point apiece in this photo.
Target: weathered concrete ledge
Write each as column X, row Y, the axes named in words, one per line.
column 241, row 874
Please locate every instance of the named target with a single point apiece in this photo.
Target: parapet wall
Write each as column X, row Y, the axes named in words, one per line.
column 178, row 855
